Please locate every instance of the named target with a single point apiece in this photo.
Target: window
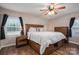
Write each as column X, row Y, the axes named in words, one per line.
column 75, row 28
column 13, row 26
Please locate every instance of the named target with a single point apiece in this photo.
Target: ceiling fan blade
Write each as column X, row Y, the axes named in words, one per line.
column 62, row 7
column 55, row 12
column 44, row 10
column 46, row 13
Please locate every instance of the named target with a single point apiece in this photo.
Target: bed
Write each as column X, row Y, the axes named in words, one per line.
column 45, row 42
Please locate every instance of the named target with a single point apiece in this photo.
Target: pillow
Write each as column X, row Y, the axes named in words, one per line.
column 39, row 29
column 32, row 29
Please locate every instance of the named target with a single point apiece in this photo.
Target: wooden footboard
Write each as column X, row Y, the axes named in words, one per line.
column 48, row 50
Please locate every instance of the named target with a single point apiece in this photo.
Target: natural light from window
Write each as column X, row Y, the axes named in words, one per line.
column 75, row 28
column 13, row 26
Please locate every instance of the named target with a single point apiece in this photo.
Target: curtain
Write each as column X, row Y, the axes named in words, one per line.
column 70, row 26
column 5, row 16
column 21, row 21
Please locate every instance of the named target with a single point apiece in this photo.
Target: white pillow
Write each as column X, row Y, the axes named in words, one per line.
column 32, row 29
column 40, row 29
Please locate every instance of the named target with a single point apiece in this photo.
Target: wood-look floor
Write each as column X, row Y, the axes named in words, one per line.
column 71, row 49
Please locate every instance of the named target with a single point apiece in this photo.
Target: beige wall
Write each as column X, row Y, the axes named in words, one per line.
column 0, row 27
column 27, row 19
column 0, row 30
column 63, row 21
column 0, row 20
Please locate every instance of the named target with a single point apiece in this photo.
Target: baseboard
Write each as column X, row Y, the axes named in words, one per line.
column 74, row 42
column 8, row 45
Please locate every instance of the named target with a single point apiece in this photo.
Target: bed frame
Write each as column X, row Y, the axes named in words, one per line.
column 52, row 47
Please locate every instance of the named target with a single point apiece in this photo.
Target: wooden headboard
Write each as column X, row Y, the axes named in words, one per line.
column 64, row 30
column 27, row 26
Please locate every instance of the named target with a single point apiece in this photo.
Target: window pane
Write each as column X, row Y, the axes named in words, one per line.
column 13, row 24
column 75, row 28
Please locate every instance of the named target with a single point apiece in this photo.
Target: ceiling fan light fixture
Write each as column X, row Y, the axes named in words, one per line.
column 51, row 7
column 51, row 13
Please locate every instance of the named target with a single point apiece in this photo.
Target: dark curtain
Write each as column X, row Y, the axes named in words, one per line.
column 5, row 16
column 21, row 21
column 70, row 26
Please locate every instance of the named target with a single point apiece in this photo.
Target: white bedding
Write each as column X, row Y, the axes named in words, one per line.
column 45, row 38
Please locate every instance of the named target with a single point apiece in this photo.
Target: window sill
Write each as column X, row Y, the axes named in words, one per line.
column 13, row 33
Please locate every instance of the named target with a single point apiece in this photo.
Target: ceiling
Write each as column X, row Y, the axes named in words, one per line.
column 34, row 8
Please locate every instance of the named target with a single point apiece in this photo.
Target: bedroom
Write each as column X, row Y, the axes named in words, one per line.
column 32, row 16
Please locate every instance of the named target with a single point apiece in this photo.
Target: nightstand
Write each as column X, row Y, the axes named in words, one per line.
column 21, row 41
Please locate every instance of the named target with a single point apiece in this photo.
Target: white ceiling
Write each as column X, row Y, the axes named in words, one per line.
column 34, row 8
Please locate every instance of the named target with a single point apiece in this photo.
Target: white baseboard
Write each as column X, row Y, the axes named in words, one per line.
column 74, row 42
column 8, row 45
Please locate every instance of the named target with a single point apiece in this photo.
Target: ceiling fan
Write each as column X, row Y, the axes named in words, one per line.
column 52, row 8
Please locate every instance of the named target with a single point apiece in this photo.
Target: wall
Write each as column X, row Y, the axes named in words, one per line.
column 27, row 19
column 0, row 20
column 0, row 27
column 63, row 21
column 0, row 31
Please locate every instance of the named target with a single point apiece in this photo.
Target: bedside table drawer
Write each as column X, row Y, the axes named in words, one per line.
column 21, row 41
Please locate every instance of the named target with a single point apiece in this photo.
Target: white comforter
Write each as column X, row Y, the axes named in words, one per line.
column 45, row 38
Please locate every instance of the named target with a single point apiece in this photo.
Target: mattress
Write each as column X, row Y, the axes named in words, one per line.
column 45, row 38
